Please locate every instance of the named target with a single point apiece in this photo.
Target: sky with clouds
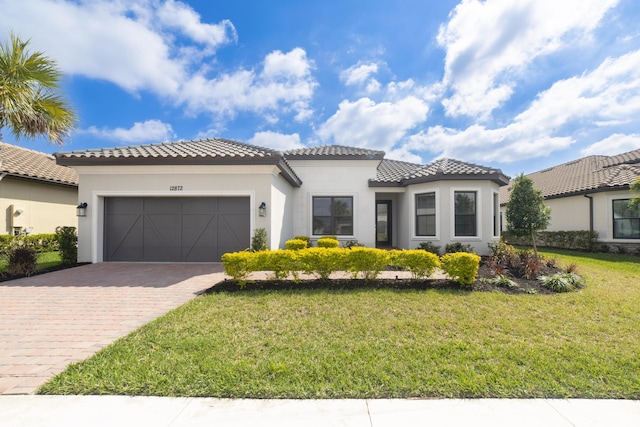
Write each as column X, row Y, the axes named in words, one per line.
column 520, row 85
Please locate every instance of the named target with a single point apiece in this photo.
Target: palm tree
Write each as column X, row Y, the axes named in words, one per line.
column 30, row 99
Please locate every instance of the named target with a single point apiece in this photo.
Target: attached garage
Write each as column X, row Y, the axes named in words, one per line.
column 175, row 229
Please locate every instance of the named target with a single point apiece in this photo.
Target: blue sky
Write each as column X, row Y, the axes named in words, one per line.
column 520, row 85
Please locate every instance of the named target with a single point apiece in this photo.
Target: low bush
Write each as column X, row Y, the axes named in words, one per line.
column 283, row 263
column 461, row 266
column 22, row 261
column 562, row 282
column 328, row 242
column 577, row 239
column 239, row 265
column 350, row 244
column 429, row 247
column 259, row 240
column 295, row 244
column 45, row 242
column 367, row 262
column 68, row 243
column 321, row 262
column 305, row 238
column 451, row 248
column 419, row 262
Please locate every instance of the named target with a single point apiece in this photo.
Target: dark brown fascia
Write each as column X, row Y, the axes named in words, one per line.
column 334, row 157
column 601, row 189
column 41, row 180
column 499, row 179
column 285, row 170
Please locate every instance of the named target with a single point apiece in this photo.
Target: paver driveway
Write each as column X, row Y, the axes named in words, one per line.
column 54, row 319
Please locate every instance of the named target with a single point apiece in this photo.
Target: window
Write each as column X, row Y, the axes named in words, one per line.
column 626, row 221
column 465, row 213
column 426, row 214
column 333, row 216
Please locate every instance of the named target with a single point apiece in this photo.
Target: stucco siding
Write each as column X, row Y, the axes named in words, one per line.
column 44, row 206
column 569, row 213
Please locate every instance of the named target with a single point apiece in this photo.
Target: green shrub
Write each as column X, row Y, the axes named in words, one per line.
column 5, row 244
column 368, row 262
column 68, row 243
column 576, row 239
column 458, row 247
column 22, row 261
column 328, row 242
column 350, row 244
column 283, row 263
column 295, row 244
column 259, row 240
column 461, row 266
column 562, row 282
column 502, row 282
column 429, row 247
column 239, row 265
column 419, row 262
column 321, row 262
column 305, row 238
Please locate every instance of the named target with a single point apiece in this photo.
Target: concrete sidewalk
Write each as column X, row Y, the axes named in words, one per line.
column 122, row 411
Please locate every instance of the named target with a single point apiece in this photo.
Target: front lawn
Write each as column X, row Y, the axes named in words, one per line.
column 385, row 343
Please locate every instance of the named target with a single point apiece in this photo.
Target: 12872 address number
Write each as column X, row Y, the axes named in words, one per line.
column 175, row 188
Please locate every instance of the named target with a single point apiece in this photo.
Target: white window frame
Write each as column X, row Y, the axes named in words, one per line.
column 452, row 214
column 439, row 214
column 354, row 213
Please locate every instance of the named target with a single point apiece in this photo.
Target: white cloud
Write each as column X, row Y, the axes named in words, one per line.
column 615, row 144
column 489, row 44
column 601, row 99
column 148, row 131
column 130, row 44
column 365, row 123
column 358, row 74
column 276, row 141
column 285, row 84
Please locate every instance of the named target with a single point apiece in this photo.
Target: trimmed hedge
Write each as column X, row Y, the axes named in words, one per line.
column 581, row 239
column 44, row 242
column 296, row 244
column 363, row 262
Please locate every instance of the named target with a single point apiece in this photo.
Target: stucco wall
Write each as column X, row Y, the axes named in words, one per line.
column 445, row 233
column 336, row 178
column 45, row 206
column 569, row 213
column 98, row 182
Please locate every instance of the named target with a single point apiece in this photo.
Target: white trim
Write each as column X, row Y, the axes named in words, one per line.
column 97, row 210
column 452, row 213
column 439, row 213
column 354, row 212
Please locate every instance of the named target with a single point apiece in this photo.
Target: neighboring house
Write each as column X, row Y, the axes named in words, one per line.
column 591, row 193
column 195, row 200
column 36, row 194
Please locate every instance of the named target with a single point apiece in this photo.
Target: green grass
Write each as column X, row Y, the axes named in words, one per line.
column 385, row 343
column 45, row 260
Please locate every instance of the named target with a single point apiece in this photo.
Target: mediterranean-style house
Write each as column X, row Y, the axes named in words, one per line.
column 591, row 193
column 193, row 201
column 36, row 194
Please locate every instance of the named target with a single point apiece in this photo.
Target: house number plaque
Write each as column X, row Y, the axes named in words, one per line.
column 175, row 188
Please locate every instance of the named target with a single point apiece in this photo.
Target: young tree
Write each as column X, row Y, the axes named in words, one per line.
column 635, row 190
column 30, row 100
column 526, row 211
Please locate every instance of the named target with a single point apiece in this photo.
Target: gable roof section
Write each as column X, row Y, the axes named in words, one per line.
column 393, row 173
column 29, row 164
column 333, row 152
column 211, row 151
column 586, row 175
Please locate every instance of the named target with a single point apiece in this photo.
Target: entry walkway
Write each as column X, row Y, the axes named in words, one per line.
column 122, row 411
column 51, row 320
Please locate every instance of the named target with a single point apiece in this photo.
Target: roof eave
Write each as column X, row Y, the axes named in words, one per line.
column 190, row 160
column 39, row 179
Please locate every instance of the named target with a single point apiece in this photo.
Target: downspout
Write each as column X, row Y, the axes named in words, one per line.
column 590, row 211
column 592, row 242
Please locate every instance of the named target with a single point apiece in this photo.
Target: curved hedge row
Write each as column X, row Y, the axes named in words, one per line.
column 361, row 262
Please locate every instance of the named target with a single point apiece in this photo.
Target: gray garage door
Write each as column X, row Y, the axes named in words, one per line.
column 183, row 229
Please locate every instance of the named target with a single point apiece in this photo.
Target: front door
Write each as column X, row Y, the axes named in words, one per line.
column 383, row 223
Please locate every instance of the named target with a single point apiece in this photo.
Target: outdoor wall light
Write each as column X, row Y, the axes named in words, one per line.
column 81, row 209
column 262, row 209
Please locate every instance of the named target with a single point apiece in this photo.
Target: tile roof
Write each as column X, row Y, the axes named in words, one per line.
column 333, row 152
column 204, row 151
column 403, row 173
column 24, row 163
column 588, row 174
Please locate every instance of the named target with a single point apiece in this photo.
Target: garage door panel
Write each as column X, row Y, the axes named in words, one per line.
column 175, row 229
